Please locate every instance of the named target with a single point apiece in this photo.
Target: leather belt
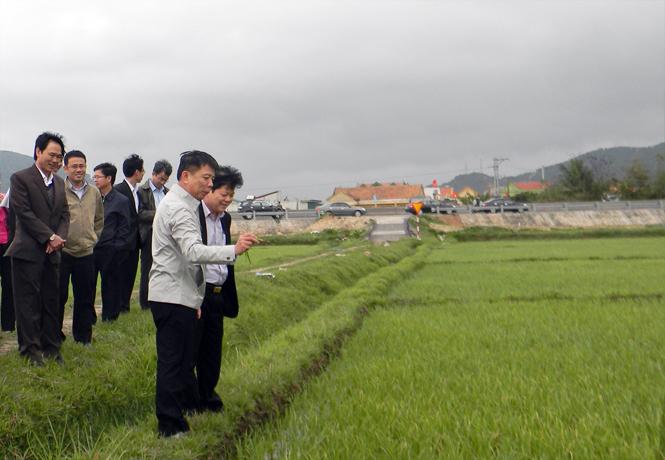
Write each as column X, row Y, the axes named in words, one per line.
column 214, row 288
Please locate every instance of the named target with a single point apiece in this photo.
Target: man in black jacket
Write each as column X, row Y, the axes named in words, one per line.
column 108, row 249
column 133, row 170
column 221, row 298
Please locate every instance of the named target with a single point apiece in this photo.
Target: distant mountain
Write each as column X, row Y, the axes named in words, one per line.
column 608, row 163
column 10, row 162
column 480, row 182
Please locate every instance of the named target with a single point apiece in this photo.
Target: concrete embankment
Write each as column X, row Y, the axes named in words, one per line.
column 545, row 220
column 270, row 226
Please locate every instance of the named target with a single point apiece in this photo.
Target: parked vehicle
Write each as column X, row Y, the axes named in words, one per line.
column 432, row 206
column 249, row 207
column 495, row 204
column 338, row 208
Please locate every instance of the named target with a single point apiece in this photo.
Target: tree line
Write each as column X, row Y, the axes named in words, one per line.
column 584, row 181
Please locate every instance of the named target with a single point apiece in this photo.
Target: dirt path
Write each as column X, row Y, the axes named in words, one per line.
column 9, row 338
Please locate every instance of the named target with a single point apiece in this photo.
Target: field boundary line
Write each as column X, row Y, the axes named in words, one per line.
column 296, row 262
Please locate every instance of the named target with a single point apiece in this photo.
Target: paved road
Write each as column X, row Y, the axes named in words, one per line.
column 390, row 228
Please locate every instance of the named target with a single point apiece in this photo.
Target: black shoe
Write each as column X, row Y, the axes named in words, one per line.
column 89, row 345
column 59, row 359
column 36, row 363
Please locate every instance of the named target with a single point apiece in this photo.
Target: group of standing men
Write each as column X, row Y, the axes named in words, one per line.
column 67, row 230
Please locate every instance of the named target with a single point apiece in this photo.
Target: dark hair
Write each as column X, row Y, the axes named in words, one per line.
column 108, row 170
column 163, row 166
column 193, row 160
column 227, row 175
column 74, row 154
column 45, row 138
column 132, row 164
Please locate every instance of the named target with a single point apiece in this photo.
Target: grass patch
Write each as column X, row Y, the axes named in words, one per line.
column 502, row 234
column 102, row 404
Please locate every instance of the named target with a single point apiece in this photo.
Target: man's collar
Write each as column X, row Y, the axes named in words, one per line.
column 192, row 202
column 131, row 187
column 85, row 184
column 207, row 211
column 46, row 178
column 153, row 187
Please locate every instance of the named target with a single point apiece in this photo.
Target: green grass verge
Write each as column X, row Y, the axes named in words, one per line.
column 102, row 404
column 502, row 233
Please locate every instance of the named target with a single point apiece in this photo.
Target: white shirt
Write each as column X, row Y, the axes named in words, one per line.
column 177, row 275
column 158, row 193
column 215, row 273
column 134, row 194
column 47, row 180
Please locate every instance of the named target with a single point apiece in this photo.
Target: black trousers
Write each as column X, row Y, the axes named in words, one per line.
column 129, row 262
column 146, row 263
column 176, row 390
column 107, row 266
column 36, row 304
column 208, row 343
column 81, row 270
column 7, row 313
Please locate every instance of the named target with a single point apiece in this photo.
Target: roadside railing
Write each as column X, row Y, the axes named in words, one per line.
column 469, row 209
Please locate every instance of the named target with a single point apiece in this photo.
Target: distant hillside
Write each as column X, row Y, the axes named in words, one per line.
column 478, row 181
column 608, row 163
column 10, row 162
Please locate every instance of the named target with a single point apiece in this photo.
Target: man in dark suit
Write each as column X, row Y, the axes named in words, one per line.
column 133, row 170
column 112, row 240
column 42, row 223
column 221, row 298
column 150, row 195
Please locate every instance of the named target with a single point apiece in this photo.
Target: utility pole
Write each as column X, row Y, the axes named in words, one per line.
column 497, row 162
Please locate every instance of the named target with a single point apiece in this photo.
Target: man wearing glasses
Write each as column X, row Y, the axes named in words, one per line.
column 150, row 195
column 86, row 223
column 111, row 243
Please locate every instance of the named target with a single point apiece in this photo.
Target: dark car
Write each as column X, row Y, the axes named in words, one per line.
column 249, row 207
column 432, row 206
column 338, row 208
column 495, row 205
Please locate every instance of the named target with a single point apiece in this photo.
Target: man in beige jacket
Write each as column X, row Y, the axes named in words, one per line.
column 86, row 223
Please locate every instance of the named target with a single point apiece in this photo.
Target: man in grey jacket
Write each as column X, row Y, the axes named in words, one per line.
column 151, row 194
column 86, row 222
column 177, row 287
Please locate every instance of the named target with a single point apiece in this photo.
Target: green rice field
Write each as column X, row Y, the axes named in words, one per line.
column 510, row 350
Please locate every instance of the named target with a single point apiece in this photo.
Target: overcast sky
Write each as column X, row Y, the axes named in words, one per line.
column 305, row 96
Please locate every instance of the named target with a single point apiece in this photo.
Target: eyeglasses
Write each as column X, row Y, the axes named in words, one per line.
column 98, row 177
